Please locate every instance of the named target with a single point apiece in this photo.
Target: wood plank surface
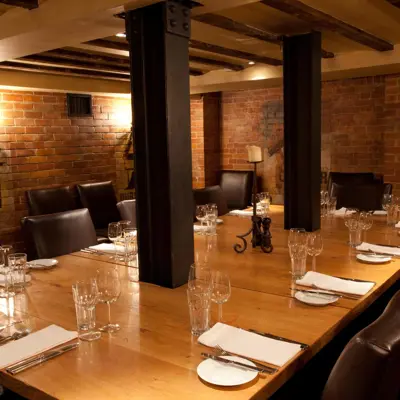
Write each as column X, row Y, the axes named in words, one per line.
column 154, row 355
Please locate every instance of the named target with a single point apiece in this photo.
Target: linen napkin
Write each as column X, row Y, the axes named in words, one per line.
column 397, row 225
column 380, row 212
column 327, row 282
column 341, row 211
column 248, row 344
column 108, row 248
column 34, row 344
column 243, row 213
column 379, row 249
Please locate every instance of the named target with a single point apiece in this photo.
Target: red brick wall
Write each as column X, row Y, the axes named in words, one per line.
column 42, row 147
column 360, row 128
column 197, row 128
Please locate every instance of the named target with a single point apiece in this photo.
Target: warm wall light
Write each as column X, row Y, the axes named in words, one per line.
column 121, row 35
column 251, row 62
column 123, row 114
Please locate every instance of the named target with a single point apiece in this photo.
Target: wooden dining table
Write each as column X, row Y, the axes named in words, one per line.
column 154, row 354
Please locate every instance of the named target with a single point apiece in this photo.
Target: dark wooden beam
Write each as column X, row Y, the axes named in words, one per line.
column 17, row 66
column 163, row 163
column 215, row 63
column 302, row 130
column 212, row 48
column 109, row 44
column 395, row 3
column 29, row 4
column 228, row 24
column 325, row 22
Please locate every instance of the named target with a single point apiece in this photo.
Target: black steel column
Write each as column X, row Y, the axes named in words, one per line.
column 302, row 123
column 159, row 40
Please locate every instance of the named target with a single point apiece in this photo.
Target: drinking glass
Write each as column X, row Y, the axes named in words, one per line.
column 352, row 221
column 5, row 277
column 17, row 265
column 297, row 243
column 114, row 234
column 324, row 201
column 199, row 310
column 392, row 212
column 220, row 289
column 199, row 277
column 109, row 287
column 85, row 294
column 366, row 222
column 201, row 215
column 386, row 201
column 131, row 248
column 296, row 235
column 314, row 246
column 332, row 202
column 211, row 217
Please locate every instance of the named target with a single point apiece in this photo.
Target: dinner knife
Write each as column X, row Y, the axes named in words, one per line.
column 238, row 364
column 280, row 338
column 39, row 359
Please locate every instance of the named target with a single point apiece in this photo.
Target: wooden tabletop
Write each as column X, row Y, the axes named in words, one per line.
column 154, row 355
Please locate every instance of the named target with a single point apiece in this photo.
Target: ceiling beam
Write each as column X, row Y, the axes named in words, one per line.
column 29, row 4
column 109, row 44
column 215, row 63
column 325, row 22
column 212, row 48
column 228, row 24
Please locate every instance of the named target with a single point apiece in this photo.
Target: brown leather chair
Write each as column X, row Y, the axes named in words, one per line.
column 51, row 200
column 211, row 194
column 237, row 187
column 362, row 197
column 53, row 235
column 100, row 199
column 127, row 211
column 350, row 179
column 368, row 368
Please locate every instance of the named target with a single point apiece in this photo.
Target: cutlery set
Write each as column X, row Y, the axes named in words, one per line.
column 92, row 251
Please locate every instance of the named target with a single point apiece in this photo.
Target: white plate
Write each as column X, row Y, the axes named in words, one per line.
column 315, row 299
column 218, row 373
column 43, row 263
column 219, row 221
column 371, row 259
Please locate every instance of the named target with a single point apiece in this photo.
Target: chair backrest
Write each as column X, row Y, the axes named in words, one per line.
column 100, row 199
column 127, row 211
column 350, row 179
column 51, row 200
column 211, row 194
column 53, row 235
column 237, row 188
column 363, row 197
column 369, row 365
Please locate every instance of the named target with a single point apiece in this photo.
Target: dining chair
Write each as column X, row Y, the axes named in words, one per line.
column 237, row 188
column 211, row 194
column 53, row 235
column 127, row 211
column 51, row 200
column 100, row 199
column 369, row 365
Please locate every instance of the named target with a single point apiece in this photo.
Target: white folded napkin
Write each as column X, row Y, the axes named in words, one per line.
column 248, row 344
column 341, row 211
column 108, row 248
column 379, row 249
column 199, row 228
column 380, row 212
column 33, row 344
column 243, row 213
column 397, row 225
column 18, row 280
column 327, row 282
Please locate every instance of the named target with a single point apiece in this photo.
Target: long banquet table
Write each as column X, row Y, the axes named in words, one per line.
column 154, row 355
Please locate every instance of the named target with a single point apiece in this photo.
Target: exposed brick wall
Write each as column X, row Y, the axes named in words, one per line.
column 360, row 128
column 42, row 147
column 197, row 129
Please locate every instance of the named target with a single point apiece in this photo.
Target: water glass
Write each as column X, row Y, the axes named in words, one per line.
column 5, row 277
column 199, row 277
column 211, row 217
column 392, row 211
column 201, row 215
column 298, row 258
column 85, row 294
column 131, row 247
column 17, row 265
column 199, row 302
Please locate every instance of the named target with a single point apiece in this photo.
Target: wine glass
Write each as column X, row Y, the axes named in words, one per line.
column 366, row 222
column 199, row 277
column 386, row 201
column 201, row 215
column 220, row 289
column 314, row 246
column 114, row 234
column 109, row 287
column 211, row 216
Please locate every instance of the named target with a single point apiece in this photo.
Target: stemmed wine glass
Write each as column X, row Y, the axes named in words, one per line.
column 220, row 289
column 211, row 216
column 386, row 201
column 109, row 287
column 201, row 215
column 314, row 246
column 115, row 234
column 366, row 222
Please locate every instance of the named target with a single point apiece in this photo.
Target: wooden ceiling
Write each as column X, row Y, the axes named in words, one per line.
column 227, row 35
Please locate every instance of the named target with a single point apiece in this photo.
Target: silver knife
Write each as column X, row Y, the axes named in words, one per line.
column 280, row 338
column 36, row 360
column 238, row 364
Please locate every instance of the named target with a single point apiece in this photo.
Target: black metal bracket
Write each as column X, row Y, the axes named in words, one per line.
column 178, row 18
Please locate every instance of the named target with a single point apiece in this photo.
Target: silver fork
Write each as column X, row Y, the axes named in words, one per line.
column 223, row 352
